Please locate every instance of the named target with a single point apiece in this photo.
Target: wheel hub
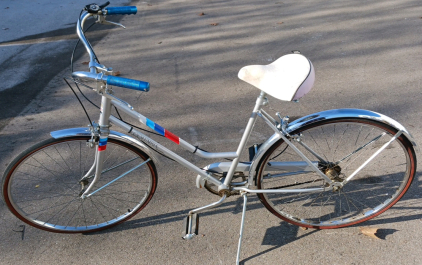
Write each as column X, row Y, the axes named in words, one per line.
column 333, row 171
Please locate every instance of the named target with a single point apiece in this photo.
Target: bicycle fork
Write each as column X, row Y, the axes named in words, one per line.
column 103, row 131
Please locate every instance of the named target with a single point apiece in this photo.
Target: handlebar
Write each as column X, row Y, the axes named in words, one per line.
column 121, row 10
column 96, row 70
column 127, row 83
column 113, row 80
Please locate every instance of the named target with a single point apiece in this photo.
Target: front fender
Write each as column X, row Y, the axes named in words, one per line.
column 326, row 115
column 113, row 135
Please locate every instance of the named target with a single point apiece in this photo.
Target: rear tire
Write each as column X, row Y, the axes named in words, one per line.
column 376, row 188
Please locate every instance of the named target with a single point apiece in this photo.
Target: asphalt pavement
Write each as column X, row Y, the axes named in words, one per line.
column 36, row 41
column 366, row 54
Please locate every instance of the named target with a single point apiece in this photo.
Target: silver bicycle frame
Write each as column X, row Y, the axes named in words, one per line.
column 282, row 131
column 108, row 100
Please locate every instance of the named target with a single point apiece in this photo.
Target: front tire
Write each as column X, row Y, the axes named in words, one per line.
column 42, row 185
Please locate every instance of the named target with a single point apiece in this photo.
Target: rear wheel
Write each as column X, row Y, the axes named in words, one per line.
column 343, row 146
column 42, row 186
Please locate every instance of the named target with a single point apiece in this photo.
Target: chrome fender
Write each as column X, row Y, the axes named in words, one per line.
column 113, row 135
column 326, row 115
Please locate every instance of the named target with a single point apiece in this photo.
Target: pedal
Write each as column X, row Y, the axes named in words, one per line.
column 191, row 225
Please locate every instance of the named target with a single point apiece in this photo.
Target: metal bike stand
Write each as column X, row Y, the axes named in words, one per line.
column 245, row 201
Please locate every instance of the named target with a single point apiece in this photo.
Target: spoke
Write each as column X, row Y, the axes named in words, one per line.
column 119, row 165
column 332, row 142
column 310, row 134
column 56, row 160
column 66, row 193
column 110, row 151
column 83, row 212
column 98, row 209
column 295, row 184
column 62, row 156
column 322, row 204
column 357, row 138
column 360, row 148
column 51, row 207
column 73, row 216
column 110, row 195
column 350, row 200
column 342, row 136
column 108, row 208
column 119, row 177
column 42, row 166
column 40, row 199
column 34, row 178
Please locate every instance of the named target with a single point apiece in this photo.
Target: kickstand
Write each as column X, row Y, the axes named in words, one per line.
column 245, row 201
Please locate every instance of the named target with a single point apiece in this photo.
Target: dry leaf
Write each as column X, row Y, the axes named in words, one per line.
column 304, row 228
column 369, row 231
column 85, row 63
column 201, row 14
column 115, row 73
column 214, row 24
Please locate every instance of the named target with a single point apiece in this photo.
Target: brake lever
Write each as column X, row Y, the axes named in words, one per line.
column 104, row 5
column 102, row 20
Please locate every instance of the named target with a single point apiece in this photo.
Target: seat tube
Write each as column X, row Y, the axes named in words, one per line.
column 258, row 105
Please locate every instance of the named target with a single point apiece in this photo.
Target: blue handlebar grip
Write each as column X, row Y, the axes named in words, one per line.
column 121, row 10
column 127, row 83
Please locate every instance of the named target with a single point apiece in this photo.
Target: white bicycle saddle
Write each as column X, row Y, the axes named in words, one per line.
column 288, row 78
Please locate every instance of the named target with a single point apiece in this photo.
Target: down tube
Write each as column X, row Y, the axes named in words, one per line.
column 164, row 150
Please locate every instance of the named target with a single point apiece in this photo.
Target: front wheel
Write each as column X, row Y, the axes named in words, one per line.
column 42, row 186
column 343, row 145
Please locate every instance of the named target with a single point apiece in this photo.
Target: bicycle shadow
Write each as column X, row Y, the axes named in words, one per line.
column 278, row 236
column 407, row 209
column 406, row 204
column 285, row 233
column 234, row 207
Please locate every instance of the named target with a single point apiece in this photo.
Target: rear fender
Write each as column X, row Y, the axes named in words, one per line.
column 321, row 116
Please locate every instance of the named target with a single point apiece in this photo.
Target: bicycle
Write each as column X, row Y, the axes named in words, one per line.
column 330, row 169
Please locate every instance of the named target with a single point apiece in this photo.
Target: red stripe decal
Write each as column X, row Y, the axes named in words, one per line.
column 171, row 136
column 102, row 148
